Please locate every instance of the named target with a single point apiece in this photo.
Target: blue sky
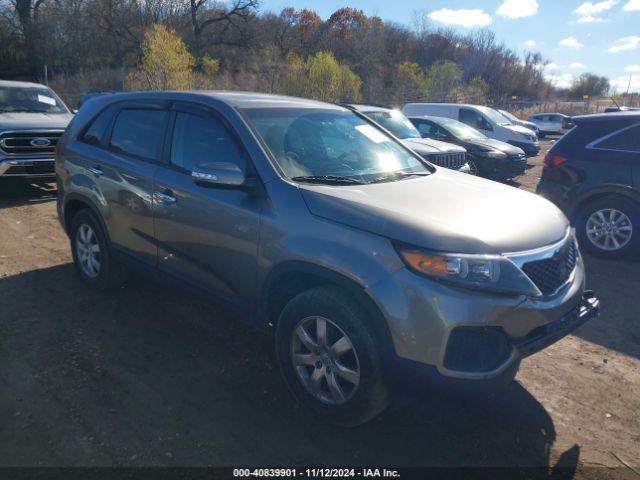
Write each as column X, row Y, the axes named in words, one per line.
column 575, row 36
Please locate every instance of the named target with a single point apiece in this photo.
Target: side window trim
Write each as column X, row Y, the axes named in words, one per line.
column 594, row 144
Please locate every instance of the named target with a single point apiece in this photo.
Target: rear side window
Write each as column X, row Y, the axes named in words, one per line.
column 95, row 134
column 627, row 140
column 202, row 139
column 139, row 132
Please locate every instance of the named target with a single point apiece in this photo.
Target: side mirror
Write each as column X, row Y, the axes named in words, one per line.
column 440, row 136
column 220, row 174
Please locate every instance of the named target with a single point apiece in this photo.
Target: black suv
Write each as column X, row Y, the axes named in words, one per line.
column 593, row 174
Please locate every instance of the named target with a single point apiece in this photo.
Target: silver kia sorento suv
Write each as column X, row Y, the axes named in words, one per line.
column 364, row 259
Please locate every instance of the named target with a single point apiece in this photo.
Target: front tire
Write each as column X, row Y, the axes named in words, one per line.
column 92, row 256
column 330, row 358
column 610, row 227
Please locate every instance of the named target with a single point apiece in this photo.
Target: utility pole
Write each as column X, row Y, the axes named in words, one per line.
column 629, row 84
column 46, row 76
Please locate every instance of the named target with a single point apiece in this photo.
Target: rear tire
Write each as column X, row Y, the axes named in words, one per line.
column 91, row 252
column 361, row 389
column 609, row 227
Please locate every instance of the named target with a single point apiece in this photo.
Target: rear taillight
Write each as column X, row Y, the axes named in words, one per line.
column 553, row 161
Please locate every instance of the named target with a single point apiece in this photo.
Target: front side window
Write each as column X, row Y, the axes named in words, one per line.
column 473, row 119
column 627, row 140
column 324, row 142
column 202, row 139
column 395, row 122
column 30, row 99
column 139, row 132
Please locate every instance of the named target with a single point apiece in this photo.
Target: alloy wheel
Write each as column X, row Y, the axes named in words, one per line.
column 473, row 168
column 88, row 251
column 609, row 229
column 325, row 360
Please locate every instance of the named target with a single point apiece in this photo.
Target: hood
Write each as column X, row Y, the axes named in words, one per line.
column 491, row 144
column 425, row 146
column 529, row 125
column 446, row 211
column 30, row 120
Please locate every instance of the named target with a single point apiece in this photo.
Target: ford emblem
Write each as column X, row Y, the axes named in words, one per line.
column 40, row 142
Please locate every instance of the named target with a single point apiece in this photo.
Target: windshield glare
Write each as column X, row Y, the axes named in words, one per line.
column 325, row 142
column 494, row 116
column 30, row 99
column 396, row 123
column 463, row 131
column 509, row 116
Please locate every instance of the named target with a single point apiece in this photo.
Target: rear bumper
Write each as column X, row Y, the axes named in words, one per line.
column 27, row 167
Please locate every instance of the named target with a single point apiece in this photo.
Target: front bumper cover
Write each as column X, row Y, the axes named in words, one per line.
column 27, row 167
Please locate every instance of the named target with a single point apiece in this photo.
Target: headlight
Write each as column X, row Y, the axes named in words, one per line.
column 492, row 154
column 485, row 272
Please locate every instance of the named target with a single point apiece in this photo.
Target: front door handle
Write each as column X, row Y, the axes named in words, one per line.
column 165, row 198
column 97, row 171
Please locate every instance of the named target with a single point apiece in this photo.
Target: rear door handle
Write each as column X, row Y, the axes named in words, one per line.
column 165, row 198
column 97, row 171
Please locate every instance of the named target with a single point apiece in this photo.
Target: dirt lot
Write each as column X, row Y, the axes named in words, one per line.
column 147, row 376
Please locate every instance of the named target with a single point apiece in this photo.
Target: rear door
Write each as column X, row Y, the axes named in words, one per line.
column 206, row 235
column 126, row 142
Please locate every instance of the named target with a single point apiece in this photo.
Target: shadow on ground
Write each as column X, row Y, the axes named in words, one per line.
column 18, row 191
column 146, row 375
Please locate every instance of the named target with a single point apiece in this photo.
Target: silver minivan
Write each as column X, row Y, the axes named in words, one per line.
column 365, row 261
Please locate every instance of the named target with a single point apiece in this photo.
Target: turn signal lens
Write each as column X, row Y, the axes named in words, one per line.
column 431, row 265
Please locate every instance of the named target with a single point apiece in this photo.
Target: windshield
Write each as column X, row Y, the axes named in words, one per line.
column 311, row 142
column 462, row 130
column 494, row 116
column 396, row 123
column 509, row 116
column 30, row 99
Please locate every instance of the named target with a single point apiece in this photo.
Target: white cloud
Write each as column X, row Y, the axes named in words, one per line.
column 632, row 68
column 571, row 42
column 588, row 8
column 620, row 84
column 625, row 43
column 564, row 80
column 577, row 65
column 632, row 6
column 530, row 43
column 592, row 19
column 475, row 17
column 518, row 8
column 551, row 66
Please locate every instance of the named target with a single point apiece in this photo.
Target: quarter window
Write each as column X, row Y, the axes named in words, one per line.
column 139, row 132
column 198, row 139
column 626, row 140
column 95, row 134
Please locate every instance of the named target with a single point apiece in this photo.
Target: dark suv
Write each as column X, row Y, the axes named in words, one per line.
column 311, row 220
column 593, row 174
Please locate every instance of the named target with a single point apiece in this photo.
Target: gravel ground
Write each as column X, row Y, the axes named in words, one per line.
column 150, row 376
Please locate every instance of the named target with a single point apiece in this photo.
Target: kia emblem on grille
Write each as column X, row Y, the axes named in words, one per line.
column 40, row 142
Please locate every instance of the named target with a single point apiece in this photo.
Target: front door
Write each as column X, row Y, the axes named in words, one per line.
column 206, row 235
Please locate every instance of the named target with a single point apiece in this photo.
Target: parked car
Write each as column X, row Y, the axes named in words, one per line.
column 484, row 119
column 548, row 123
column 32, row 119
column 567, row 122
column 593, row 174
column 516, row 121
column 487, row 157
column 620, row 109
column 439, row 153
column 85, row 97
column 314, row 222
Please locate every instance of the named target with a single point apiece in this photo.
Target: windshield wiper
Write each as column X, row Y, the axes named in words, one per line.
column 395, row 175
column 328, row 179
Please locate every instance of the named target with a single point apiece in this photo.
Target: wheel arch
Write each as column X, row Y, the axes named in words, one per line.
column 75, row 203
column 623, row 191
column 291, row 278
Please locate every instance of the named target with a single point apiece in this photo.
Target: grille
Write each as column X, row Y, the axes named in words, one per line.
column 454, row 161
column 29, row 142
column 551, row 273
